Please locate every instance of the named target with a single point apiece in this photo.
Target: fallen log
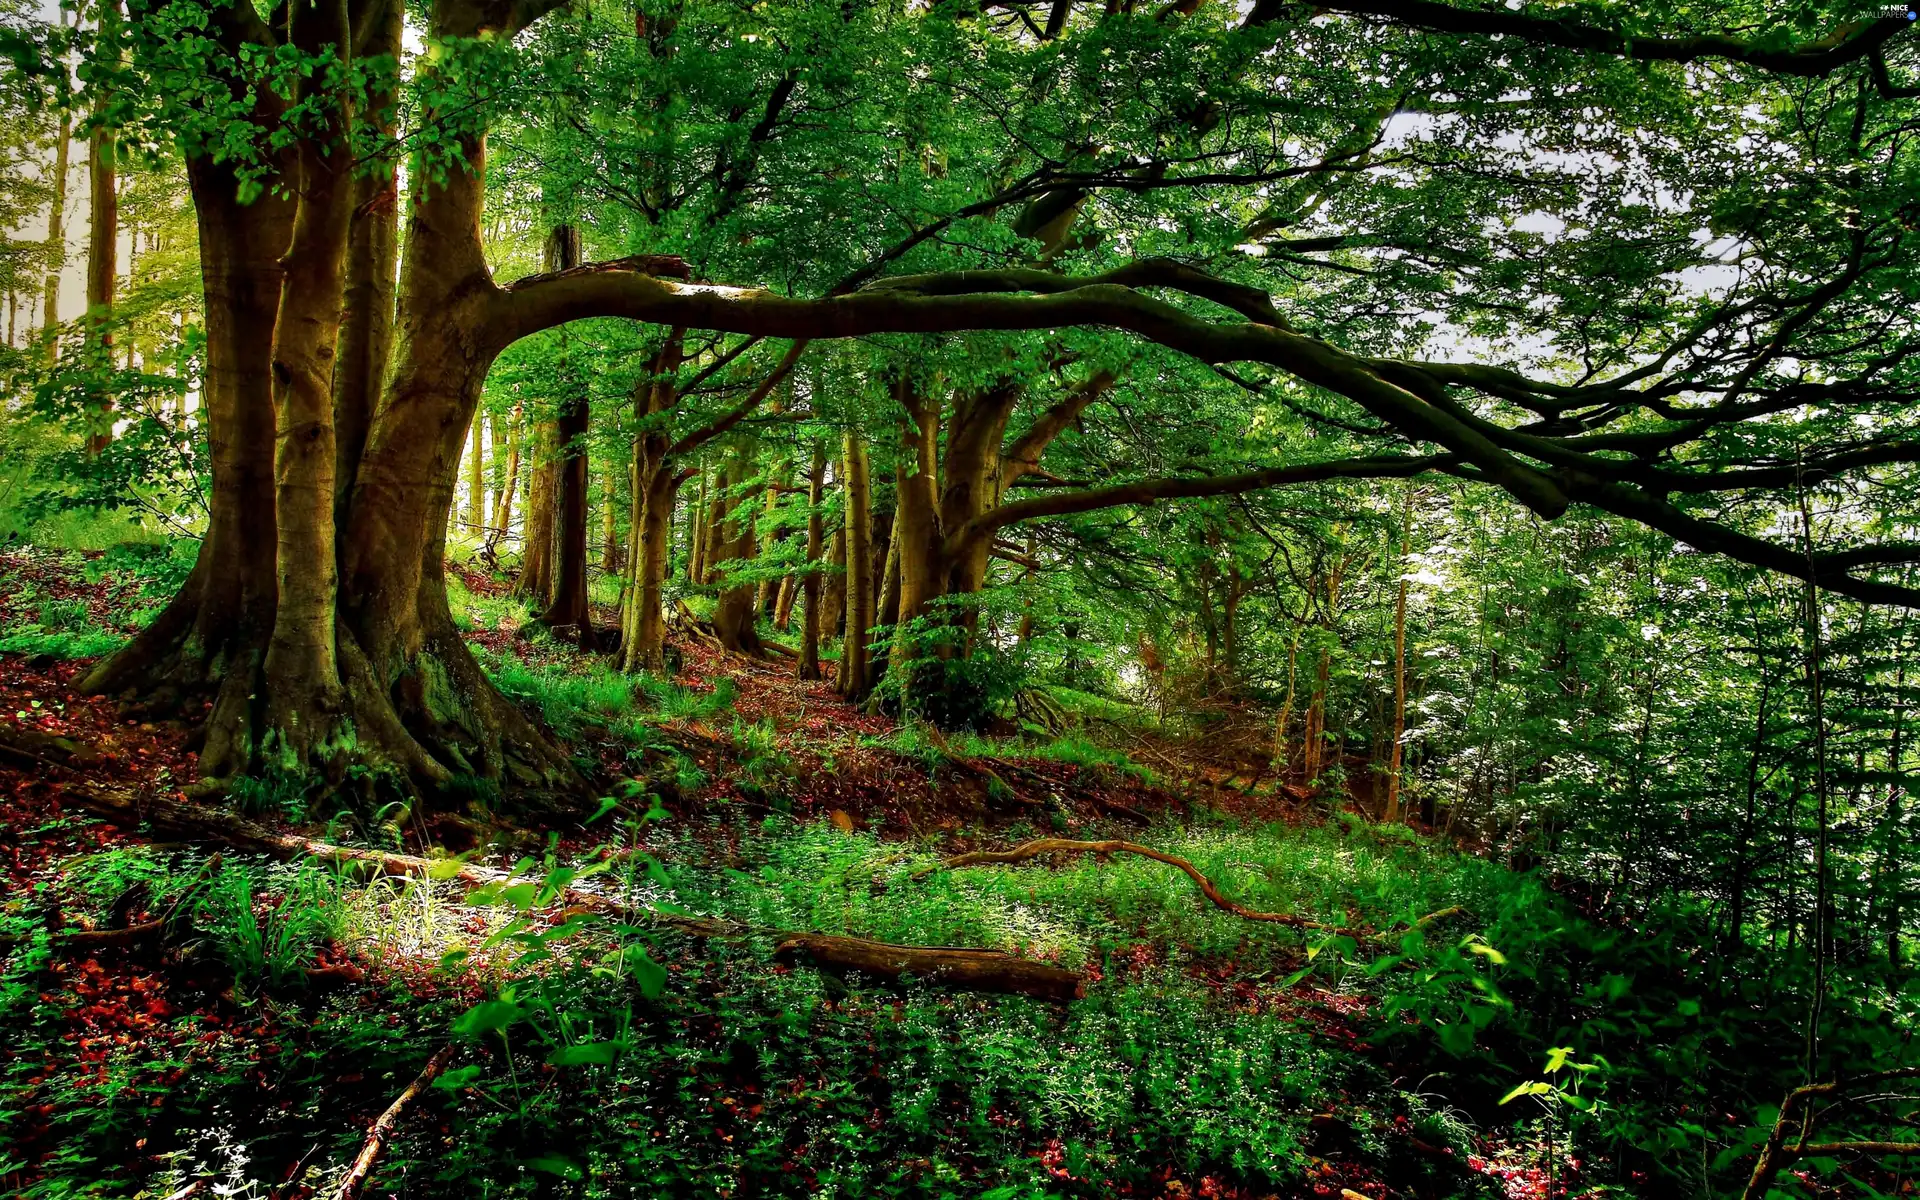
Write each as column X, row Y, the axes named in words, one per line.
column 951, row 967
column 382, row 1130
column 963, row 970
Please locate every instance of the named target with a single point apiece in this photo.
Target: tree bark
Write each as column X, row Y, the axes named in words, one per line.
column 56, row 243
column 103, row 244
column 211, row 639
column 857, row 486
column 476, row 480
column 732, row 519
column 535, row 581
column 816, row 535
column 567, row 613
column 644, row 635
column 1391, row 815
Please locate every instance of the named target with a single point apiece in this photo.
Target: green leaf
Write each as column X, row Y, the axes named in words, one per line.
column 649, row 976
column 459, row 1077
column 553, row 1164
column 1533, row 1088
column 488, row 1016
column 590, row 1054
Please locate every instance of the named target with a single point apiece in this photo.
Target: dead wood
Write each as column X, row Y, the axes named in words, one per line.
column 1788, row 1143
column 382, row 1130
column 966, row 970
column 955, row 968
column 1027, row 851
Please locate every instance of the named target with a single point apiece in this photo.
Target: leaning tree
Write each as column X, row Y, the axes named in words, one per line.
column 1444, row 238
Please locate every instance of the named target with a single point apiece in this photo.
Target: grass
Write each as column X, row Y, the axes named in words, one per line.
column 574, row 695
column 1079, row 908
column 915, row 742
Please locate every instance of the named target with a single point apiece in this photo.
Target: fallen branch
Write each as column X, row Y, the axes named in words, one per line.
column 950, row 967
column 383, row 1127
column 963, row 970
column 1788, row 1142
column 1027, row 851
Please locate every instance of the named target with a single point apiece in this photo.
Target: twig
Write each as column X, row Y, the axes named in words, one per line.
column 383, row 1127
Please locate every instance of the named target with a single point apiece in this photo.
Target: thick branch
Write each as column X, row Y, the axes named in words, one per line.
column 1846, row 44
column 1148, row 491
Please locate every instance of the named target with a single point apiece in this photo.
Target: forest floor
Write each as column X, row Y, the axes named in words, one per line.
column 279, row 1006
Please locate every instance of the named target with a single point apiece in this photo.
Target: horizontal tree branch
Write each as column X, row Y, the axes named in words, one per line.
column 1846, row 44
column 1149, row 491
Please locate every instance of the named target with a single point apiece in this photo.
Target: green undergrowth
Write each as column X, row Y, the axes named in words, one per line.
column 914, row 740
column 573, row 695
column 599, row 1059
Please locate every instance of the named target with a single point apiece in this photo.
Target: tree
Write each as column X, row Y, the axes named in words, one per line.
column 1659, row 403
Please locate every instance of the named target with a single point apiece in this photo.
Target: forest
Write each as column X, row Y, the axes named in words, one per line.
column 999, row 599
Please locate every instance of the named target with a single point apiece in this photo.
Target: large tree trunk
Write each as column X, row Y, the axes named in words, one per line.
column 312, row 661
column 567, row 614
column 420, row 701
column 303, row 691
column 211, row 639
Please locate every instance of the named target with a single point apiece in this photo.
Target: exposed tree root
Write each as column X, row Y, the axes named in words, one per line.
column 950, row 967
column 1027, row 851
column 382, row 1130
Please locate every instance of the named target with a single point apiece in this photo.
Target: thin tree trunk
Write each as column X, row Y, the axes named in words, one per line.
column 503, row 503
column 769, row 587
column 103, row 244
column 610, row 560
column 1392, row 813
column 476, row 479
column 816, row 535
column 853, row 677
column 656, row 484
column 568, row 613
column 56, row 243
column 734, row 610
column 697, row 536
column 535, row 581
